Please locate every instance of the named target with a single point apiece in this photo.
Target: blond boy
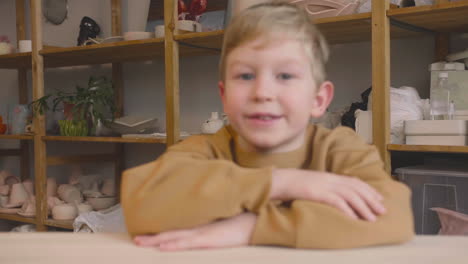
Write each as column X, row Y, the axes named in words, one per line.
column 269, row 178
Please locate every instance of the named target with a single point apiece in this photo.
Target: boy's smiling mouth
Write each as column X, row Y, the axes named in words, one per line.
column 263, row 118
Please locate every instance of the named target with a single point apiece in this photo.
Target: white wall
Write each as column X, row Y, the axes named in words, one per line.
column 349, row 69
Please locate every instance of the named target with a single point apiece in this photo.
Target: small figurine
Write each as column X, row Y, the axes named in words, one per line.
column 213, row 124
column 88, row 29
column 194, row 12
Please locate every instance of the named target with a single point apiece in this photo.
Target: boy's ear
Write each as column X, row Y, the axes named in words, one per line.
column 323, row 99
column 222, row 91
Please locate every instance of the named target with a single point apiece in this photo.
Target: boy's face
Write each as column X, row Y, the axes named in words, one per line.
column 269, row 94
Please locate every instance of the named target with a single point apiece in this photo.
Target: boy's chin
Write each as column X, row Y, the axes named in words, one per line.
column 265, row 145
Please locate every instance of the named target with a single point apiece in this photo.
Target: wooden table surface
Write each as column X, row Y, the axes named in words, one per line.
column 83, row 248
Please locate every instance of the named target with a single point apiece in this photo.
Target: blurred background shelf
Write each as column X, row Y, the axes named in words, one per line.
column 106, row 139
column 122, row 51
column 18, row 218
column 20, row 137
column 65, row 224
column 428, row 148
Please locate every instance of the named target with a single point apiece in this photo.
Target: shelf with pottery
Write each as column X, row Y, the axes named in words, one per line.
column 443, row 17
column 428, row 148
column 106, row 139
column 122, row 51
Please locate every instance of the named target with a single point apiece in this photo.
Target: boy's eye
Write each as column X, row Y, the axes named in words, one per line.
column 246, row 76
column 285, row 76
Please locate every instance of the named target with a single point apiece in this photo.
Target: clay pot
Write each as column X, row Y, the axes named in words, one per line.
column 29, row 186
column 101, row 202
column 64, row 212
column 69, row 193
column 52, row 202
column 84, row 208
column 51, row 187
column 4, row 189
column 18, row 196
column 108, row 188
column 29, row 208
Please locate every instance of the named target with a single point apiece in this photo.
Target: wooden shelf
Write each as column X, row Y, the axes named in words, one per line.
column 15, row 60
column 66, row 224
column 342, row 29
column 428, row 148
column 18, row 218
column 346, row 29
column 18, row 137
column 202, row 43
column 106, row 139
column 123, row 51
column 446, row 17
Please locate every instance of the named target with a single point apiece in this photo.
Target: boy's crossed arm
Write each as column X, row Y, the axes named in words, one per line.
column 200, row 191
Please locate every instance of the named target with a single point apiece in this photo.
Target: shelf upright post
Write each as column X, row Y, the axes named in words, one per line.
column 171, row 73
column 22, row 86
column 381, row 79
column 117, row 81
column 40, row 165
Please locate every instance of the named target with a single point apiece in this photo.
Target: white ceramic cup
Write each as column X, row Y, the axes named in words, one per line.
column 159, row 31
column 25, row 45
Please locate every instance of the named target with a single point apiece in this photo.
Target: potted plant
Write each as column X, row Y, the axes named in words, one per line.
column 83, row 108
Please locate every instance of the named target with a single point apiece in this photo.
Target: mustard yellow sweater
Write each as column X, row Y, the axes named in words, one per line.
column 206, row 178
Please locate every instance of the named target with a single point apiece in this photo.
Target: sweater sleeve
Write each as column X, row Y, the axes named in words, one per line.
column 307, row 224
column 188, row 186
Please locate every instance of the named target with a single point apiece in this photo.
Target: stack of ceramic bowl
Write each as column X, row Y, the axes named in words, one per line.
column 105, row 198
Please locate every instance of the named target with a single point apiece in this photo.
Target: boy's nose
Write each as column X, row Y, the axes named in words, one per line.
column 263, row 89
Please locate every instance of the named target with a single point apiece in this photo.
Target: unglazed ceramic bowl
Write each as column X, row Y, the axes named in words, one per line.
column 101, row 202
column 64, row 212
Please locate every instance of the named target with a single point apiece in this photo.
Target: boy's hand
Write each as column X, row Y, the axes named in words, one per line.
column 231, row 232
column 352, row 196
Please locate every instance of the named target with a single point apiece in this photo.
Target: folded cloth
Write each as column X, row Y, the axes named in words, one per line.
column 110, row 220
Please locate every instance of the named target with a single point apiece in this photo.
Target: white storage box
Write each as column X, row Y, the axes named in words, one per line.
column 436, row 127
column 433, row 186
column 437, row 140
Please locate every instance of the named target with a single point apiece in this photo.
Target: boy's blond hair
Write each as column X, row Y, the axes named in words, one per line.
column 273, row 20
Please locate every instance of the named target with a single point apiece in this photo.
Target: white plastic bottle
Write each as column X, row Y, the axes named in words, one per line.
column 440, row 99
